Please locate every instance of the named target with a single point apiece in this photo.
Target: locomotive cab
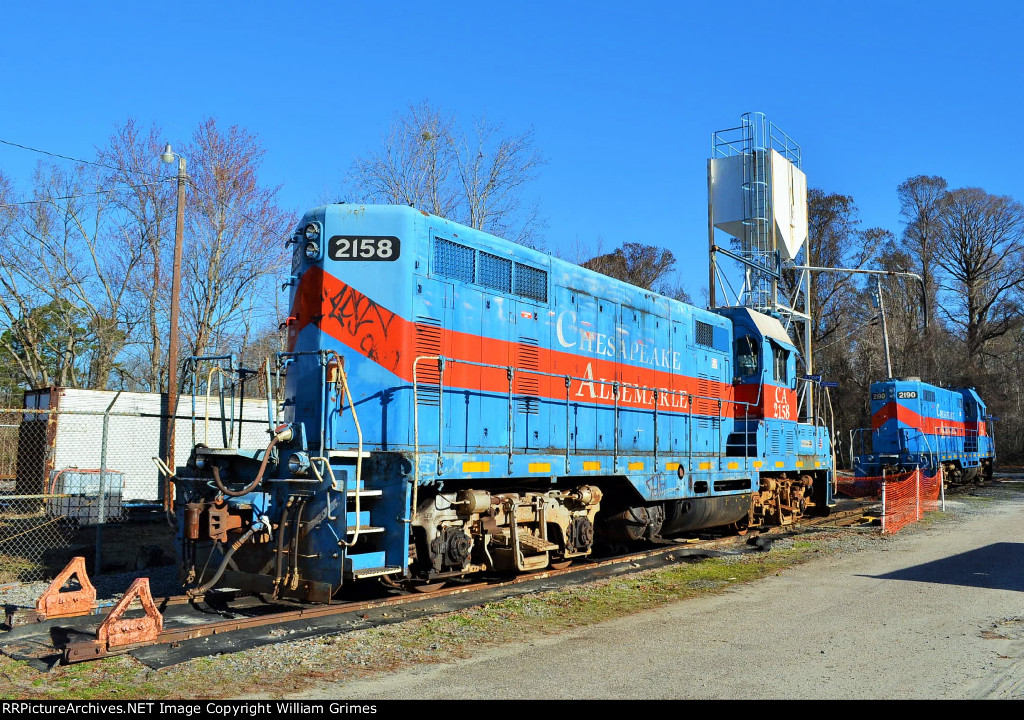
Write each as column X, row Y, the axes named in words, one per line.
column 766, row 420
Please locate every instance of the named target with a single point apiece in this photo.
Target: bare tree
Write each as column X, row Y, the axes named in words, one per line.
column 475, row 178
column 834, row 240
column 980, row 249
column 66, row 280
column 236, row 234
column 493, row 169
column 146, row 215
column 921, row 199
column 840, row 310
column 415, row 166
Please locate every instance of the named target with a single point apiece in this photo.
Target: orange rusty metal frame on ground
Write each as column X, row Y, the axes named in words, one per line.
column 117, row 630
column 54, row 603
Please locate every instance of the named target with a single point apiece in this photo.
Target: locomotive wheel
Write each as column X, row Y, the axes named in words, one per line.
column 742, row 526
column 425, row 587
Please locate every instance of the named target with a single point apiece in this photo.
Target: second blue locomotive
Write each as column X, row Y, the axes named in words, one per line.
column 915, row 424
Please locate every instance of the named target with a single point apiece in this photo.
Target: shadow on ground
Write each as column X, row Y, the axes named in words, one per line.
column 999, row 566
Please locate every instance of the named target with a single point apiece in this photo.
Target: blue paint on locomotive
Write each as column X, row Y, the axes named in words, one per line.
column 457, row 293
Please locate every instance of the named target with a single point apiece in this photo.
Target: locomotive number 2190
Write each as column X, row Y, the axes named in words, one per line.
column 349, row 247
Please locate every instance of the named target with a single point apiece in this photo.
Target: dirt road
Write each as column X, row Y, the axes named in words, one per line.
column 936, row 612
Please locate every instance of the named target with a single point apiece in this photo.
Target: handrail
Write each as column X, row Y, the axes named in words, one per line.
column 416, row 431
column 359, row 455
column 206, row 404
column 616, row 386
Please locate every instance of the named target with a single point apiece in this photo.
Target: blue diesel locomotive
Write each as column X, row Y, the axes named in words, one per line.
column 455, row 403
column 914, row 424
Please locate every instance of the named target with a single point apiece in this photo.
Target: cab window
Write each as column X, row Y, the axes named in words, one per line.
column 746, row 356
column 780, row 362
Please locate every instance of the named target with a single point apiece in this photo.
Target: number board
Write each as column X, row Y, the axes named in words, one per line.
column 363, row 248
column 906, row 394
column 878, row 396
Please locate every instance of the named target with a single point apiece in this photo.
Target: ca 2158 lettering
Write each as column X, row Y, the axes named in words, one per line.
column 364, row 249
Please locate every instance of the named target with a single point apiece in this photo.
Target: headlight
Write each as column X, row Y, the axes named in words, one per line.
column 312, row 250
column 312, row 231
column 298, row 464
column 200, row 462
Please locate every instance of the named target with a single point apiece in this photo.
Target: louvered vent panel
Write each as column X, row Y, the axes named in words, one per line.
column 527, row 385
column 428, row 376
column 703, row 404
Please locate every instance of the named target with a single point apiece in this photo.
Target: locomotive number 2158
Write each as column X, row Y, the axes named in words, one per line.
column 349, row 247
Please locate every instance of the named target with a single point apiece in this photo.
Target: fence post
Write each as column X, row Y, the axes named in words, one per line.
column 942, row 488
column 102, row 515
column 883, row 501
column 917, row 477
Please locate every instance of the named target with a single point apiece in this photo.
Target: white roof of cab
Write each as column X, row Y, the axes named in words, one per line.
column 769, row 327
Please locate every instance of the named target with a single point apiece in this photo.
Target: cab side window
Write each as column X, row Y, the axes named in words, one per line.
column 780, row 361
column 746, row 356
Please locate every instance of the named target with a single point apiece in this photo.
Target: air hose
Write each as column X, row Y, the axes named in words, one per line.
column 283, row 433
column 205, row 587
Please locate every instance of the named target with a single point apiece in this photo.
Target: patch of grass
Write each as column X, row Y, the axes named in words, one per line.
column 14, row 568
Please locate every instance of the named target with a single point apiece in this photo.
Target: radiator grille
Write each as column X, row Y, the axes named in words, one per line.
column 453, row 260
column 704, row 333
column 495, row 272
column 531, row 282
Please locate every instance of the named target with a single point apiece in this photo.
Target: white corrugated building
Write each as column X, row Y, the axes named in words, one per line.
column 71, row 436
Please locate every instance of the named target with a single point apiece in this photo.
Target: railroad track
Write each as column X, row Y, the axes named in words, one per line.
column 172, row 629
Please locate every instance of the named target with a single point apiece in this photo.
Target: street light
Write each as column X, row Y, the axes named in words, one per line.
column 168, row 156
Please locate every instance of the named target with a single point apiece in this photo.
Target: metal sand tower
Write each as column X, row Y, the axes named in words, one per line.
column 757, row 195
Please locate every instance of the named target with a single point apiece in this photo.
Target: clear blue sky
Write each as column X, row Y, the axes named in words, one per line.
column 623, row 97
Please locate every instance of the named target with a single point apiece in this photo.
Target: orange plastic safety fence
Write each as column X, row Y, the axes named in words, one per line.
column 905, row 497
column 906, row 500
column 861, row 487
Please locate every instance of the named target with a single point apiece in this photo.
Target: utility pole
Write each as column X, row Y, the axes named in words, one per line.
column 885, row 327
column 168, row 156
column 878, row 287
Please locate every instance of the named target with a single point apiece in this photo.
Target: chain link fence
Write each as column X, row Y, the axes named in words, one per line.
column 77, row 475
